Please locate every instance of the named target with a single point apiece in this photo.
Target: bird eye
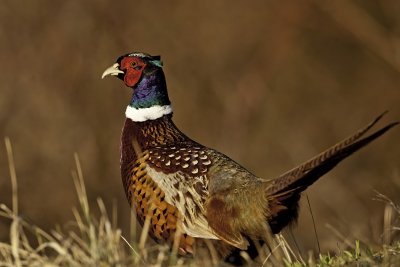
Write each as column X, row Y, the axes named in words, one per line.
column 133, row 64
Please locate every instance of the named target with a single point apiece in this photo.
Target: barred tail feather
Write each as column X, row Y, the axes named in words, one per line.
column 284, row 192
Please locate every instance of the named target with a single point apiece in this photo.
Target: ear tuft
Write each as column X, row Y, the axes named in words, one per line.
column 156, row 62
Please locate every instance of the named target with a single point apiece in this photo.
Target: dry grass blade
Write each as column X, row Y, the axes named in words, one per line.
column 14, row 237
column 213, row 252
column 13, row 175
column 313, row 221
column 129, row 245
column 14, row 233
column 387, row 224
column 177, row 238
column 144, row 234
column 270, row 254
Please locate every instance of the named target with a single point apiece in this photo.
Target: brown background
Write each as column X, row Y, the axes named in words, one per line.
column 269, row 83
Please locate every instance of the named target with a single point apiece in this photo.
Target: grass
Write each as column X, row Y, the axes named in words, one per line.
column 97, row 241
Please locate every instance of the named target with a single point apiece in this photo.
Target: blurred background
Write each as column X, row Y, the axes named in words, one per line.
column 269, row 83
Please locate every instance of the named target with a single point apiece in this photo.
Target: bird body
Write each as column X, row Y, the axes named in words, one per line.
column 186, row 182
column 176, row 183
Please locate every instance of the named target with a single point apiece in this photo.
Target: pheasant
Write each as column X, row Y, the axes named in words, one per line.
column 177, row 183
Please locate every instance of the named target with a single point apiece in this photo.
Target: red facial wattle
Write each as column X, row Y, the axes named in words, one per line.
column 133, row 68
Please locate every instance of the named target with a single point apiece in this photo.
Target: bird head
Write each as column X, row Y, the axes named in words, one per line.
column 133, row 66
column 143, row 73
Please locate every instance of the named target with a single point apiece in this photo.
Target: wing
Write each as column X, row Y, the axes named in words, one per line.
column 181, row 173
column 191, row 176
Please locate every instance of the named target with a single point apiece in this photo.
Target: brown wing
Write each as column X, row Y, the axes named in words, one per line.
column 284, row 192
column 180, row 171
column 175, row 180
column 185, row 173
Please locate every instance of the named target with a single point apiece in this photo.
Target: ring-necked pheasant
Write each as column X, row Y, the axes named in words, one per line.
column 174, row 179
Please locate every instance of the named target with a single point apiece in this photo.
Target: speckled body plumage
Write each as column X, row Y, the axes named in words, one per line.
column 156, row 147
column 176, row 182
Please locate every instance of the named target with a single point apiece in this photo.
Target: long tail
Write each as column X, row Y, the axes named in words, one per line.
column 284, row 191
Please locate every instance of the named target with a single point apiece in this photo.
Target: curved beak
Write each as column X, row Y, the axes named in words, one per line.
column 113, row 70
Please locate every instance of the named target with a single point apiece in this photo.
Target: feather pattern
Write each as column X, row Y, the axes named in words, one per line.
column 181, row 172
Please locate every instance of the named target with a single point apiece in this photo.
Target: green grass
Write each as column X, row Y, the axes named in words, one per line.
column 97, row 241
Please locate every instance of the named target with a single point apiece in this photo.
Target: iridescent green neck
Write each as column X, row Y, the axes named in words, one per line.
column 150, row 91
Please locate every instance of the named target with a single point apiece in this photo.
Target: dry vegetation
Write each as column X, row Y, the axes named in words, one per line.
column 97, row 241
column 269, row 83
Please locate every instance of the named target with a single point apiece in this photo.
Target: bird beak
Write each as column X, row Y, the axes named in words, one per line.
column 113, row 70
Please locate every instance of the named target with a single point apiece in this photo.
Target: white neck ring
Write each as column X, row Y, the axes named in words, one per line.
column 145, row 114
